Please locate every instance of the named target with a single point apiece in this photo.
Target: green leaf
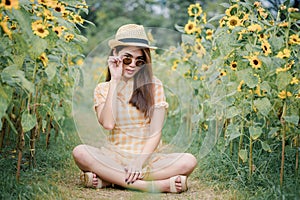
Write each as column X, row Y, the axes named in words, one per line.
column 255, row 132
column 232, row 131
column 265, row 146
column 276, row 43
column 283, row 79
column 37, row 47
column 232, row 112
column 243, row 154
column 294, row 119
column 273, row 131
column 295, row 15
column 51, row 70
column 15, row 77
column 247, row 76
column 28, row 121
column 263, row 105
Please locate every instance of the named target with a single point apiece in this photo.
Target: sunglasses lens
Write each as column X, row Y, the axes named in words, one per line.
column 127, row 61
column 139, row 63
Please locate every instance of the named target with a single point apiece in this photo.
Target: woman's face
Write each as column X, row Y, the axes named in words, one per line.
column 136, row 56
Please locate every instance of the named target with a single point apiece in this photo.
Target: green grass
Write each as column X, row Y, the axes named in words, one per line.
column 39, row 182
column 55, row 168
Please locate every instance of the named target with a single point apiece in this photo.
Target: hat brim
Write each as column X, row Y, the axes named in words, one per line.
column 114, row 43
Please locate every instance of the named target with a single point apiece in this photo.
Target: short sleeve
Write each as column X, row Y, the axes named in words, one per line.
column 100, row 94
column 159, row 95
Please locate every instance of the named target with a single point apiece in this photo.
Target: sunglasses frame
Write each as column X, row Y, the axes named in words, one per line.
column 131, row 60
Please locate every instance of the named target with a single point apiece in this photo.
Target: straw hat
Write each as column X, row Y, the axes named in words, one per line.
column 130, row 35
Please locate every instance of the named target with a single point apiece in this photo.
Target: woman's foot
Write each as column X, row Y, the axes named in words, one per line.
column 90, row 179
column 176, row 184
column 96, row 182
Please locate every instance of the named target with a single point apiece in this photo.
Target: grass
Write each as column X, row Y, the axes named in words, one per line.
column 56, row 177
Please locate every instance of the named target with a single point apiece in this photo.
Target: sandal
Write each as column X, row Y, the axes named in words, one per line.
column 183, row 180
column 87, row 180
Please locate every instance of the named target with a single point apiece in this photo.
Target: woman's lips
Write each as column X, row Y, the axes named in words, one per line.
column 129, row 71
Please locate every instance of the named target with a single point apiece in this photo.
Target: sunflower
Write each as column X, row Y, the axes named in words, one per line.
column 262, row 12
column 241, row 33
column 284, row 94
column 223, row 72
column 39, row 28
column 59, row 30
column 204, row 67
column 283, row 24
column 285, row 53
column 58, row 7
column 255, row 62
column 298, row 95
column 254, row 28
column 204, row 18
column 239, row 88
column 257, row 90
column 175, row 64
column 47, row 3
column 195, row 77
column 222, row 21
column 77, row 18
column 190, row 27
column 233, row 22
column 10, row 4
column 266, row 47
column 200, row 50
column 3, row 24
column 294, row 81
column 287, row 67
column 257, row 4
column 232, row 10
column 290, row 10
column 69, row 37
column 294, row 39
column 209, row 34
column 194, row 10
column 43, row 57
column 233, row 65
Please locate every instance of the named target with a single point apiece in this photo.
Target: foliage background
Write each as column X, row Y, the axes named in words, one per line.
column 258, row 150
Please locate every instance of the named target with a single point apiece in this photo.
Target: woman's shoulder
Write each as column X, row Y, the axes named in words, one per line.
column 102, row 86
column 156, row 80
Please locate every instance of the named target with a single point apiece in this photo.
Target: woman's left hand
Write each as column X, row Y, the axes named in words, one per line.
column 133, row 172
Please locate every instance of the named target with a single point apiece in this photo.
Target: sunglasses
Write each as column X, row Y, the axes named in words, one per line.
column 138, row 62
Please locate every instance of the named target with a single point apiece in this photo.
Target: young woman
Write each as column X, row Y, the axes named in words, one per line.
column 131, row 104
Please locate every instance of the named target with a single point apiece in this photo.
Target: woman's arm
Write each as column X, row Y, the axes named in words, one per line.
column 151, row 144
column 106, row 112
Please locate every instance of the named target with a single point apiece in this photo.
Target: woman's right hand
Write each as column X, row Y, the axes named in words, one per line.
column 115, row 66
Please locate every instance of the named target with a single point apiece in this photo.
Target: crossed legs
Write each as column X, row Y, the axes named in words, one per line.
column 90, row 159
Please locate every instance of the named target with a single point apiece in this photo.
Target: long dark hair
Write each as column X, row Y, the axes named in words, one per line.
column 143, row 89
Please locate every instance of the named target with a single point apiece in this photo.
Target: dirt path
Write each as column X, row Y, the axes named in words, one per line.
column 196, row 191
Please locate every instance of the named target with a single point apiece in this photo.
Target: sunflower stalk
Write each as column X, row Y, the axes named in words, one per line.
column 283, row 131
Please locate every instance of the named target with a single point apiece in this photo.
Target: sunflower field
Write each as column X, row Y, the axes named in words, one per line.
column 244, row 68
column 40, row 55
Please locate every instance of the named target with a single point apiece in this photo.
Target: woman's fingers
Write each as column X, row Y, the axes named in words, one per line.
column 132, row 175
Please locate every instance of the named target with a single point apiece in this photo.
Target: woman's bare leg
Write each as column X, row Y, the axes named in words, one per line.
column 90, row 159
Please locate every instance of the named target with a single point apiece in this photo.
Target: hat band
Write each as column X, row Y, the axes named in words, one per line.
column 134, row 40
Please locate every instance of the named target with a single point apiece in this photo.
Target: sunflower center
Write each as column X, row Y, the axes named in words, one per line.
column 7, row 2
column 233, row 22
column 234, row 65
column 265, row 48
column 191, row 26
column 255, row 62
column 58, row 9
column 40, row 30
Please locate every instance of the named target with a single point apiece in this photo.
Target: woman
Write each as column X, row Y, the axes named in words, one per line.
column 131, row 104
